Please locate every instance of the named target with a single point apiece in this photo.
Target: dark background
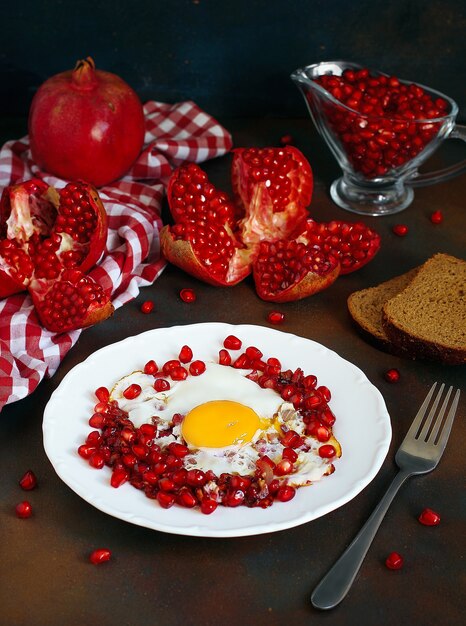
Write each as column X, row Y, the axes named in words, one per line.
column 232, row 57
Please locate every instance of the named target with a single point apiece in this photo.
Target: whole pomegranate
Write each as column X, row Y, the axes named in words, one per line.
column 86, row 124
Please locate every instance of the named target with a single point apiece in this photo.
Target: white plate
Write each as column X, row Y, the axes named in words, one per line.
column 362, row 427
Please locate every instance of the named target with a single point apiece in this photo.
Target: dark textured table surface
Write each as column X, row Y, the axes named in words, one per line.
column 163, row 579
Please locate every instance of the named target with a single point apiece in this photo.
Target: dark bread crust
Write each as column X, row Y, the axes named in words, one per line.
column 365, row 308
column 437, row 296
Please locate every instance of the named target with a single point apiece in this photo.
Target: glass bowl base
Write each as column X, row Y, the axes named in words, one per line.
column 386, row 200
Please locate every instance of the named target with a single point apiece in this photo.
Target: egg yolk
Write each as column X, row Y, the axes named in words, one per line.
column 219, row 423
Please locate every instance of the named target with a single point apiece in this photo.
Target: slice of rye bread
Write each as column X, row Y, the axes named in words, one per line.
column 365, row 307
column 428, row 317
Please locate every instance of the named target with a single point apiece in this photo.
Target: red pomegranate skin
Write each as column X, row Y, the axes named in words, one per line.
column 86, row 124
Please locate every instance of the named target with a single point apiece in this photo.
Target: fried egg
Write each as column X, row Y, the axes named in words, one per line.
column 228, row 421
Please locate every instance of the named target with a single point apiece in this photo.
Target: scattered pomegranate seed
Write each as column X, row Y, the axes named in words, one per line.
column 188, row 295
column 275, row 317
column 23, row 510
column 119, row 476
column 186, row 354
column 28, row 481
column 290, row 454
column 400, row 230
column 286, row 140
column 394, row 561
column 133, row 391
column 97, row 420
column 169, row 365
column 232, row 343
column 286, row 493
column 197, row 368
column 161, row 384
column 283, row 467
column 179, row 373
column 151, row 367
column 224, row 357
column 392, row 375
column 436, row 217
column 165, row 499
column 102, row 394
column 101, row 555
column 428, row 517
column 253, row 353
column 147, row 306
column 208, row 506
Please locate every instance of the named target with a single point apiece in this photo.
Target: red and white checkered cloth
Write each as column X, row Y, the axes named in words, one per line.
column 174, row 134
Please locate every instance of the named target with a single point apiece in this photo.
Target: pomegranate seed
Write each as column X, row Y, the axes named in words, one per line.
column 436, row 217
column 428, row 517
column 97, row 460
column 151, row 367
column 169, row 365
column 232, row 343
column 242, row 362
column 165, row 499
column 197, row 368
column 101, row 407
column 178, row 449
column 102, row 394
column 286, row 140
column 166, row 484
column 94, row 438
column 188, row 295
column 28, row 481
column 148, row 430
column 161, row 384
column 400, row 230
column 101, row 555
column 322, row 433
column 185, row 498
column 275, row 317
column 208, row 506
column 290, row 455
column 283, row 467
column 179, row 373
column 186, row 354
column 97, row 420
column 285, row 493
column 234, row 498
column 394, row 561
column 133, row 391
column 179, row 477
column 119, row 476
column 253, row 353
column 147, row 306
column 86, row 451
column 224, row 357
column 23, row 510
column 327, row 451
column 196, row 478
column 291, row 439
column 392, row 375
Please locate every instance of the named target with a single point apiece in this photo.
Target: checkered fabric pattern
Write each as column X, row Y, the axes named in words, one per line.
column 175, row 133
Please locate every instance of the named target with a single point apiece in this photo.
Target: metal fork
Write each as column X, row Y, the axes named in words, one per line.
column 419, row 453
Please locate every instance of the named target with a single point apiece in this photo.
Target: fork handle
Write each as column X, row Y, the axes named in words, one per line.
column 335, row 585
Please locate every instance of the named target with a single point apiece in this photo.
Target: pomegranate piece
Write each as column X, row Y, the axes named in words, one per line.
column 208, row 506
column 384, row 123
column 71, row 301
column 394, row 561
column 274, row 185
column 327, row 451
column 202, row 241
column 292, row 270
column 151, row 367
column 63, row 118
column 353, row 243
column 428, row 517
column 232, row 343
column 197, row 368
column 102, row 394
column 133, row 391
column 185, row 355
column 161, row 384
column 101, row 555
column 23, row 510
column 28, row 481
column 285, row 493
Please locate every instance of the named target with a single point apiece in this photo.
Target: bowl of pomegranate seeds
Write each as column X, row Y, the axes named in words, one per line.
column 381, row 129
column 216, row 430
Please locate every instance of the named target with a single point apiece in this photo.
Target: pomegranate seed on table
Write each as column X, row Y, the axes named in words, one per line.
column 186, row 354
column 169, row 365
column 188, row 295
column 102, row 394
column 161, row 384
column 179, row 373
column 392, row 375
column 436, row 217
column 428, row 517
column 23, row 510
column 101, row 555
column 394, row 561
column 208, row 506
column 147, row 306
column 285, row 493
column 151, row 367
column 197, row 368
column 132, row 392
column 224, row 357
column 401, row 230
column 28, row 481
column 275, row 317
